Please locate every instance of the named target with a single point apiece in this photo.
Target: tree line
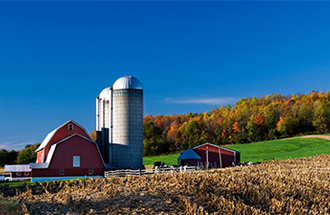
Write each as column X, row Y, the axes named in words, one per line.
column 249, row 120
column 25, row 156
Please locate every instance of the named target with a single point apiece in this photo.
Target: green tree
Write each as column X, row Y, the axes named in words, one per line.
column 28, row 155
column 255, row 128
column 190, row 132
column 24, row 156
column 322, row 117
column 154, row 142
column 286, row 125
column 305, row 118
column 33, row 152
column 12, row 157
column 3, row 157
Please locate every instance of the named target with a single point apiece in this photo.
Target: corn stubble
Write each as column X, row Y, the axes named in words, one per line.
column 299, row 186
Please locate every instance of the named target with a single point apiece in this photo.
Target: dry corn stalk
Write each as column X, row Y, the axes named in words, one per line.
column 299, row 186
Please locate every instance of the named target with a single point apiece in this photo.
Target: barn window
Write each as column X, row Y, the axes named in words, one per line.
column 76, row 161
column 18, row 174
column 26, row 173
column 61, row 171
column 90, row 171
column 70, row 127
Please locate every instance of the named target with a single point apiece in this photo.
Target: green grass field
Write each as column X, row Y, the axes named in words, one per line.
column 255, row 152
column 282, row 149
column 18, row 183
column 167, row 159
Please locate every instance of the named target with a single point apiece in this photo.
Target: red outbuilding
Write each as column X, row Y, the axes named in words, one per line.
column 67, row 152
column 18, row 172
column 210, row 155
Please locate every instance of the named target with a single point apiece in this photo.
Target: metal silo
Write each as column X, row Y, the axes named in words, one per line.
column 104, row 122
column 127, row 115
column 119, row 123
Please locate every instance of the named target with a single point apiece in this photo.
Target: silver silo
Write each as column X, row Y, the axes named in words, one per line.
column 127, row 131
column 119, row 123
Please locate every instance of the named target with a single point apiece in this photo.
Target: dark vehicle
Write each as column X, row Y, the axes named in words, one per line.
column 159, row 164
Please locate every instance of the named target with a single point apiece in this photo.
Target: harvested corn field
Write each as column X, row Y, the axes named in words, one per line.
column 299, row 186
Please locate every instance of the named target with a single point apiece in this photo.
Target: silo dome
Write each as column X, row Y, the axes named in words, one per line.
column 127, row 82
column 105, row 93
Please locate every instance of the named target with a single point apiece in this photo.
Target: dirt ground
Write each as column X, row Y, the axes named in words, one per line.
column 317, row 136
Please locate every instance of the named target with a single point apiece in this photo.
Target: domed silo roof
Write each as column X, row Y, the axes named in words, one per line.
column 127, row 82
column 105, row 93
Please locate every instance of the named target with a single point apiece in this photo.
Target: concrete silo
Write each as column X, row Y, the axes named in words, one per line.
column 104, row 122
column 123, row 120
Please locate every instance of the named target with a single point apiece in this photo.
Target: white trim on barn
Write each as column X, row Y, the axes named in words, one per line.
column 46, row 140
column 212, row 144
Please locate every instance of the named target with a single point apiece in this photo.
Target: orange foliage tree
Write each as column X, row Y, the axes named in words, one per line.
column 249, row 120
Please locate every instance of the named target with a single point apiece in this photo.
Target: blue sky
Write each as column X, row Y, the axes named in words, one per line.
column 191, row 56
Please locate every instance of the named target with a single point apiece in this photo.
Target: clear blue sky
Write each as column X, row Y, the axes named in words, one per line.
column 56, row 57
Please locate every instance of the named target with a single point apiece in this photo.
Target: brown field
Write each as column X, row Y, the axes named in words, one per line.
column 317, row 136
column 299, row 186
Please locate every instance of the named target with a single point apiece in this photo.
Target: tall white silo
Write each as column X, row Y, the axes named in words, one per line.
column 127, row 115
column 104, row 122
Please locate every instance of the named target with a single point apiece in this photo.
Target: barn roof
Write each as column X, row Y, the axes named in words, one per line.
column 52, row 150
column 51, row 134
column 216, row 146
column 189, row 154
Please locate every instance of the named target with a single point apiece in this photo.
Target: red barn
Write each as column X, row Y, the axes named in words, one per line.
column 210, row 156
column 67, row 152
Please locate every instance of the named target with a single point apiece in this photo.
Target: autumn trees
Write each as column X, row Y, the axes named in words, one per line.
column 28, row 155
column 249, row 120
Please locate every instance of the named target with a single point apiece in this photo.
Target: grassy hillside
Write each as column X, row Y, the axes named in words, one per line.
column 282, row 149
column 255, row 152
column 167, row 159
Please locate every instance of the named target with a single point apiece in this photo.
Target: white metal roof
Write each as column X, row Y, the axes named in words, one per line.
column 127, row 82
column 46, row 140
column 105, row 94
column 216, row 146
column 18, row 168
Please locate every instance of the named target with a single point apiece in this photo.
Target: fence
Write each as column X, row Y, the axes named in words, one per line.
column 124, row 172
column 127, row 172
